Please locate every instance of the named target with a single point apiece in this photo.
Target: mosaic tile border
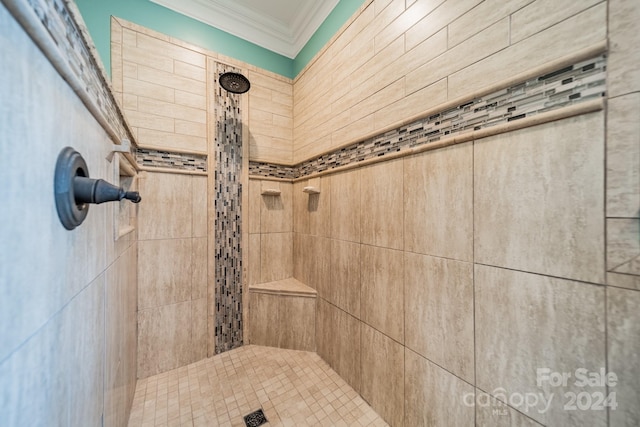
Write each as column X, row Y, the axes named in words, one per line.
column 228, row 217
column 74, row 56
column 171, row 160
column 580, row 82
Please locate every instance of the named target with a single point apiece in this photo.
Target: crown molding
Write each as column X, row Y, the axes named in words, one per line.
column 281, row 37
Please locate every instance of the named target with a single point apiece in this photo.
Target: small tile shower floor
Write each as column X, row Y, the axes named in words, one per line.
column 294, row 388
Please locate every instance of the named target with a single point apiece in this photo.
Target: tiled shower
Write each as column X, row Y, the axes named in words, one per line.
column 434, row 221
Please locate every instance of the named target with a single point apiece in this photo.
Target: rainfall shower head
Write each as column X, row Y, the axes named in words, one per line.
column 234, row 82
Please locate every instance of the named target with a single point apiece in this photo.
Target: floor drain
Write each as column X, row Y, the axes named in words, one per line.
column 255, row 419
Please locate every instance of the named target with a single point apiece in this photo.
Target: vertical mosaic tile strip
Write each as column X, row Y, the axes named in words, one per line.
column 171, row 160
column 576, row 83
column 228, row 235
column 63, row 23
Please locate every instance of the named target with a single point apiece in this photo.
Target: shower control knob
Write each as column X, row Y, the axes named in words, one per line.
column 74, row 190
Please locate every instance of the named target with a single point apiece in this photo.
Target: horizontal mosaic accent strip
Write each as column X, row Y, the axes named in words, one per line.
column 171, row 160
column 576, row 83
column 64, row 25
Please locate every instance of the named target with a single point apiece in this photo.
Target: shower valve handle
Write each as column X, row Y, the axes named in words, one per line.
column 87, row 190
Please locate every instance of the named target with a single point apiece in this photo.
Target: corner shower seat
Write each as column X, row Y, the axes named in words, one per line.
column 283, row 314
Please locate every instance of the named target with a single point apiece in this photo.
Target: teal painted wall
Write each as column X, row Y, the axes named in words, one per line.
column 97, row 15
column 336, row 19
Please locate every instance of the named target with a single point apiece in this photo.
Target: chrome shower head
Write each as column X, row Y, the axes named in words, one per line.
column 234, row 82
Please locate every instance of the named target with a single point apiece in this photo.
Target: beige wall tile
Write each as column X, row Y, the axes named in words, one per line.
column 171, row 141
column 381, row 198
column 341, row 351
column 199, row 206
column 164, row 338
column 542, row 14
column 255, row 203
column 623, row 347
column 439, row 18
column 301, row 202
column 254, row 257
column 343, row 289
column 623, row 156
column 148, row 90
column 411, row 105
column 166, row 211
column 276, row 256
column 190, row 99
column 297, row 323
column 312, row 262
column 623, row 67
column 383, row 375
column 492, row 412
column 623, row 280
column 382, row 293
column 276, row 212
column 525, row 322
column 154, row 60
column 345, row 206
column 542, row 211
column 186, row 127
column 199, row 258
column 263, row 319
column 435, row 397
column 439, row 312
column 189, row 71
column 480, row 17
column 479, row 46
column 434, row 222
column 164, row 272
column 169, row 109
column 150, row 121
column 161, row 47
column 199, row 333
column 623, row 245
column 320, row 208
column 560, row 40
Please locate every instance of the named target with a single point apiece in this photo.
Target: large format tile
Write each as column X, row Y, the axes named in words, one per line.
column 435, row 397
column 120, row 338
column 57, row 376
column 199, row 256
column 383, row 375
column 491, row 412
column 276, row 212
column 438, row 202
column 623, row 245
column 526, row 322
column 381, row 199
column 541, row 14
column 301, row 201
column 263, row 319
column 623, row 68
column 343, row 289
column 297, row 323
column 276, row 256
column 167, row 207
column 623, row 157
column 199, row 206
column 340, row 350
column 164, row 272
column 541, row 209
column 255, row 206
column 623, row 348
column 439, row 312
column 319, row 206
column 345, row 206
column 382, row 290
column 164, row 338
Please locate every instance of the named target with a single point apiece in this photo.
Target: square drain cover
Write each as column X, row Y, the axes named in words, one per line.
column 255, row 419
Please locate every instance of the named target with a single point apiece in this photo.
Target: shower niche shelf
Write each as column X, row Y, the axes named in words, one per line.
column 311, row 190
column 124, row 213
column 271, row 192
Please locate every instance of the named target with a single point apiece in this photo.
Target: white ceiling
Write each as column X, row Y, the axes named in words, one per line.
column 282, row 26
